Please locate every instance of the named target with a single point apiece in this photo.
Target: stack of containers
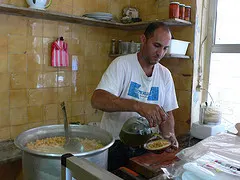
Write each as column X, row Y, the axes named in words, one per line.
column 181, row 11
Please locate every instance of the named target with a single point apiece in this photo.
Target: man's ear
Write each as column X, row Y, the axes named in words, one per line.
column 143, row 38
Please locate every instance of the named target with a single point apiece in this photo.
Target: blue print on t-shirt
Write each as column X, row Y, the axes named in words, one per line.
column 134, row 91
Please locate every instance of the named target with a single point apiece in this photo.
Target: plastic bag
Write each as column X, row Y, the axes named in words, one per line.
column 212, row 166
column 224, row 144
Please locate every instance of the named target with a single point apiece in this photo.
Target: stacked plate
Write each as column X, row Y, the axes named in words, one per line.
column 99, row 16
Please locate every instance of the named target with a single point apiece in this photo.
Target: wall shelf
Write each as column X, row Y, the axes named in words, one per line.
column 55, row 16
column 167, row 56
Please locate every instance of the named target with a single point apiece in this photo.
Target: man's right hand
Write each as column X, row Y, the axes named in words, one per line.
column 152, row 112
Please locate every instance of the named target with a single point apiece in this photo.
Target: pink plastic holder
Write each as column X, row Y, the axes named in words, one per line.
column 60, row 53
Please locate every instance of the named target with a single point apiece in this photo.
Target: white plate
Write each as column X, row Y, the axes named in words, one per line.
column 100, row 17
column 98, row 14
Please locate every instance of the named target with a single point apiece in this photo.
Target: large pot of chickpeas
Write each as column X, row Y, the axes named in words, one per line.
column 42, row 148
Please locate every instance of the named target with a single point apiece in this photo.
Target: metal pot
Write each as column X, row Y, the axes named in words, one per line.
column 47, row 166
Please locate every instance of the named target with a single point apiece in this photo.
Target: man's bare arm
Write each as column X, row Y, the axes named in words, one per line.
column 108, row 102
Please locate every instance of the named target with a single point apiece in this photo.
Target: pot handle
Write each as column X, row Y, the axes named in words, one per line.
column 50, row 2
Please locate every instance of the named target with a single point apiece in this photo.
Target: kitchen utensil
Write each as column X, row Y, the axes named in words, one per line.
column 136, row 131
column 39, row 165
column 71, row 144
column 39, row 4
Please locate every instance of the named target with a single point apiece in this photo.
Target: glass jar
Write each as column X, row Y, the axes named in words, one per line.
column 174, row 10
column 187, row 13
column 181, row 11
column 119, row 47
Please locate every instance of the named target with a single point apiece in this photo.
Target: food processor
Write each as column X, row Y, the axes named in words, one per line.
column 209, row 123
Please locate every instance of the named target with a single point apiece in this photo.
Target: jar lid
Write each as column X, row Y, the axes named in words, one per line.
column 174, row 3
column 181, row 4
column 188, row 6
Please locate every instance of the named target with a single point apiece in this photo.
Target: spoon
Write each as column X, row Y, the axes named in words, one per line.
column 71, row 144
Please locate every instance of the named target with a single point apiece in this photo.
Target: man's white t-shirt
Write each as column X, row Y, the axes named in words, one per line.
column 125, row 78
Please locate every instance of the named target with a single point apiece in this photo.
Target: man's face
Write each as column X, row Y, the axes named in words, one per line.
column 156, row 46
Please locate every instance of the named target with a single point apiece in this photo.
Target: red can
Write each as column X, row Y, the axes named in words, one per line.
column 174, row 10
column 187, row 13
column 181, row 11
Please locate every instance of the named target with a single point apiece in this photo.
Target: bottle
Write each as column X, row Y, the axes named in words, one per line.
column 113, row 46
column 174, row 10
column 181, row 11
column 119, row 46
column 187, row 13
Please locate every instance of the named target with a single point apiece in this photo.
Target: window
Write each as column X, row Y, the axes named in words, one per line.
column 224, row 55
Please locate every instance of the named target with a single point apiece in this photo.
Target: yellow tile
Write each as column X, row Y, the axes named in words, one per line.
column 19, row 22
column 34, row 62
column 17, row 63
column 54, row 6
column 91, row 6
column 17, row 44
column 66, row 6
column 78, row 93
column 50, row 96
column 88, row 108
column 18, row 80
column 35, row 114
column 64, row 30
column 93, row 77
column 64, row 94
column 78, row 108
column 91, row 48
column 16, row 130
column 50, row 112
column 104, row 49
column 89, row 91
column 4, row 20
column 80, row 79
column 79, row 32
column 47, row 63
column 80, row 119
column 3, row 44
column 79, row 4
column 47, row 42
column 97, row 34
column 78, row 11
column 50, row 79
column 4, row 97
column 76, row 46
column 64, row 78
column 51, row 122
column 50, row 28
column 35, row 80
column 4, row 63
column 4, row 116
column 103, row 6
column 18, row 116
column 4, row 79
column 20, row 3
column 35, row 27
column 34, row 45
column 35, row 124
column 5, row 133
column 35, row 97
column 96, row 63
column 18, row 98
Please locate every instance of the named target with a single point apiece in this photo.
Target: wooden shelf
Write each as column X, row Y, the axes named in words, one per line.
column 168, row 56
column 55, row 16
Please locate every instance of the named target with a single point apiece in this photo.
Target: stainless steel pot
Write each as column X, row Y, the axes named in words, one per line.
column 47, row 166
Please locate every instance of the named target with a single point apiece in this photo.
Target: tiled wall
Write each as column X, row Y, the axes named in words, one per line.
column 31, row 90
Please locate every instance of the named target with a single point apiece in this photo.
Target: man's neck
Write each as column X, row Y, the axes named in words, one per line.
column 147, row 68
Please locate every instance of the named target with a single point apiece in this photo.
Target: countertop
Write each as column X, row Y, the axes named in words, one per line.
column 9, row 152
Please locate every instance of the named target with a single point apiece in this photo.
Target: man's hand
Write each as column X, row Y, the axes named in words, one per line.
column 152, row 112
column 174, row 143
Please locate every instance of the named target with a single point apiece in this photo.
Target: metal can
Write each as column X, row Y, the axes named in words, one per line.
column 187, row 13
column 174, row 10
column 181, row 11
column 119, row 46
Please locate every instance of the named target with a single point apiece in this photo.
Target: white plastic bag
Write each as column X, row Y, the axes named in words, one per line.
column 224, row 144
